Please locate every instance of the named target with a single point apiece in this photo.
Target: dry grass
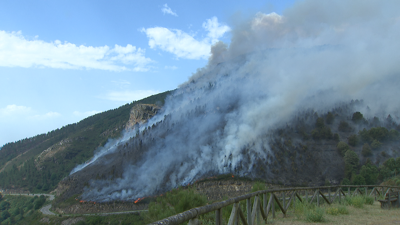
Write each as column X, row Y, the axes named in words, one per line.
column 369, row 214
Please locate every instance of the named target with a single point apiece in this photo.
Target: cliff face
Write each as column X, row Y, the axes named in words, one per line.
column 140, row 113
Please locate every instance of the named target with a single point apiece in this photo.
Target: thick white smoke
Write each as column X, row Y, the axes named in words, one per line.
column 316, row 54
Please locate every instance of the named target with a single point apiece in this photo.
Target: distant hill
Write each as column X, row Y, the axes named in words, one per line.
column 38, row 163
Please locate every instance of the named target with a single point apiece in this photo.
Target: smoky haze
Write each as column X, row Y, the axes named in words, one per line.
column 315, row 55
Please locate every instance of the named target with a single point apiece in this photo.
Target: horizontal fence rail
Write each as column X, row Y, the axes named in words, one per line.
column 283, row 197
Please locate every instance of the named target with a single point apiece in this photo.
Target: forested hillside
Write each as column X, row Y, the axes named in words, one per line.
column 312, row 149
column 21, row 166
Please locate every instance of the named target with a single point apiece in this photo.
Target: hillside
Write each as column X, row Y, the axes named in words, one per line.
column 38, row 163
column 304, row 152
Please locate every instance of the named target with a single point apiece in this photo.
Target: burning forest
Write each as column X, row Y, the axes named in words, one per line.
column 252, row 109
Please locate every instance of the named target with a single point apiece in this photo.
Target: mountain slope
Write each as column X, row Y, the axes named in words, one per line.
column 40, row 162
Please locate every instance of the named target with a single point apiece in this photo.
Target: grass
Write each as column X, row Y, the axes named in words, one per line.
column 369, row 214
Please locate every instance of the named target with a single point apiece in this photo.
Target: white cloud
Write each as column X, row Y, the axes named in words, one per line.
column 12, row 110
column 17, row 51
column 129, row 96
column 170, row 67
column 168, row 10
column 184, row 45
column 85, row 114
column 24, row 112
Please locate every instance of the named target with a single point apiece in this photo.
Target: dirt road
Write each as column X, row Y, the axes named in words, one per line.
column 46, row 210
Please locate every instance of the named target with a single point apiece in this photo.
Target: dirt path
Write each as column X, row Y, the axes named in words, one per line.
column 46, row 209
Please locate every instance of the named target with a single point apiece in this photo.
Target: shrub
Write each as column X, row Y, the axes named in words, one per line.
column 342, row 147
column 176, row 201
column 347, row 200
column 394, row 135
column 344, row 127
column 336, row 137
column 353, row 140
column 346, row 181
column 258, row 186
column 366, row 150
column 303, row 207
column 357, row 117
column 357, row 201
column 332, row 211
column 359, row 180
column 315, row 215
column 369, row 200
column 375, row 144
column 5, row 215
column 343, row 209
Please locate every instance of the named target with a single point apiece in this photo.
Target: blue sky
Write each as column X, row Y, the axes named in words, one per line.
column 61, row 61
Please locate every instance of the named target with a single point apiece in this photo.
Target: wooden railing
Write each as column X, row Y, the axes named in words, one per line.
column 283, row 197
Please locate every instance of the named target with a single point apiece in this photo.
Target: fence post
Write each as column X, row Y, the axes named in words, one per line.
column 318, row 197
column 248, row 205
column 258, row 210
column 329, row 194
column 283, row 199
column 218, row 217
column 366, row 191
column 265, row 203
column 237, row 215
column 340, row 196
column 307, row 196
column 273, row 207
column 294, row 202
column 348, row 190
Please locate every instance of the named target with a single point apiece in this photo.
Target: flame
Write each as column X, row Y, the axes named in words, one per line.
column 233, row 176
column 81, row 201
column 139, row 199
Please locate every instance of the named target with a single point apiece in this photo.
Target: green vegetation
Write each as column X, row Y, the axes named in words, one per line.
column 330, row 118
column 321, row 131
column 357, row 117
column 342, row 147
column 315, row 215
column 351, row 162
column 366, row 150
column 20, row 209
column 353, row 140
column 174, row 202
column 38, row 176
column 344, row 127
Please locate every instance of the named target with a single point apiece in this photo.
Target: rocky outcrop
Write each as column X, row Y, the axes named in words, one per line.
column 140, row 113
column 49, row 153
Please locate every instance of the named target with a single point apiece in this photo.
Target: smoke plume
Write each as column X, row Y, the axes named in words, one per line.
column 314, row 55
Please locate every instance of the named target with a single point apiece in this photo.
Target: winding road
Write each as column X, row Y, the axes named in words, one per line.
column 46, row 210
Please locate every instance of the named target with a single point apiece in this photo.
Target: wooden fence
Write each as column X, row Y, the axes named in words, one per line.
column 283, row 198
